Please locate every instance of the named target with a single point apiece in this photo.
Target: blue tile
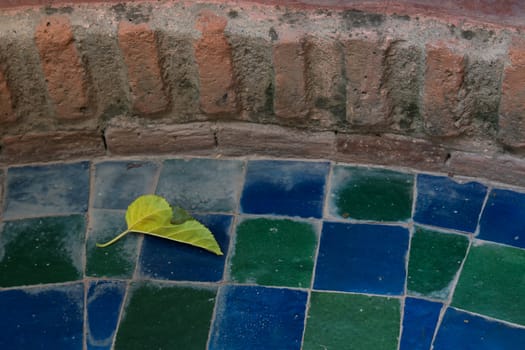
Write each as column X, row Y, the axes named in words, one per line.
column 460, row 330
column 163, row 259
column 43, row 318
column 117, row 184
column 350, row 258
column 445, row 203
column 503, row 219
column 208, row 185
column 419, row 322
column 258, row 318
column 50, row 189
column 285, row 188
column 104, row 300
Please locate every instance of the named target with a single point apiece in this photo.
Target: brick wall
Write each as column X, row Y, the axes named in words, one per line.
column 233, row 79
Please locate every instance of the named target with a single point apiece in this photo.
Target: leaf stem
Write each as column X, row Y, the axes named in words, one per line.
column 120, row 235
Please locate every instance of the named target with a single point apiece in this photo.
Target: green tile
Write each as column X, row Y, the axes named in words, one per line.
column 117, row 260
column 41, row 250
column 492, row 283
column 160, row 316
column 371, row 194
column 435, row 258
column 352, row 321
column 274, row 252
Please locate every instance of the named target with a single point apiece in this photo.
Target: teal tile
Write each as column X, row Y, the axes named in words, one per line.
column 435, row 258
column 492, row 283
column 117, row 260
column 204, row 185
column 352, row 321
column 371, row 194
column 41, row 250
column 161, row 316
column 274, row 252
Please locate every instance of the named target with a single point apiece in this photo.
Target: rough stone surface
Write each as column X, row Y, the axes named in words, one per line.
column 65, row 75
column 6, row 108
column 127, row 138
column 390, row 150
column 138, row 45
column 238, row 139
column 51, row 146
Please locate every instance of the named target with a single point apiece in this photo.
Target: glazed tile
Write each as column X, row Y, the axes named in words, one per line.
column 419, row 323
column 104, row 300
column 503, row 219
column 371, row 194
column 48, row 189
column 435, row 258
column 169, row 260
column 461, row 330
column 159, row 316
column 350, row 258
column 117, row 260
column 208, row 185
column 274, row 252
column 1, row 191
column 285, row 188
column 351, row 321
column 41, row 250
column 445, row 203
column 258, row 318
column 493, row 283
column 118, row 183
column 42, row 318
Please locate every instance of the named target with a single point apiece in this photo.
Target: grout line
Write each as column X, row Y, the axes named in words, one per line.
column 485, row 200
column 41, row 286
column 443, row 230
column 121, row 313
column 44, row 215
column 405, row 286
column 489, row 318
column 89, row 221
column 214, row 316
column 85, row 318
column 328, row 191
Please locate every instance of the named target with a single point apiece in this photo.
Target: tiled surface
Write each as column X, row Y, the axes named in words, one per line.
column 317, row 256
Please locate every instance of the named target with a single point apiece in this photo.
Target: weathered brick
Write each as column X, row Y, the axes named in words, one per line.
column 365, row 100
column 65, row 75
column 48, row 146
column 213, row 54
column 512, row 108
column 237, row 139
column 443, row 79
column 128, row 138
column 290, row 84
column 326, row 85
column 6, row 104
column 390, row 150
column 138, row 45
column 501, row 168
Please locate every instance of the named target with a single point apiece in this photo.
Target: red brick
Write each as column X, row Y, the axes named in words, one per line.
column 48, row 146
column 512, row 107
column 236, row 139
column 365, row 100
column 128, row 138
column 65, row 75
column 213, row 54
column 290, row 84
column 139, row 48
column 6, row 105
column 392, row 150
column 443, row 79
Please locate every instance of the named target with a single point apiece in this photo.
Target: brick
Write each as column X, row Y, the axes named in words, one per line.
column 6, row 104
column 390, row 150
column 139, row 48
column 365, row 100
column 326, row 84
column 235, row 139
column 129, row 138
column 496, row 167
column 65, row 75
column 290, row 84
column 512, row 107
column 58, row 145
column 213, row 54
column 443, row 80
